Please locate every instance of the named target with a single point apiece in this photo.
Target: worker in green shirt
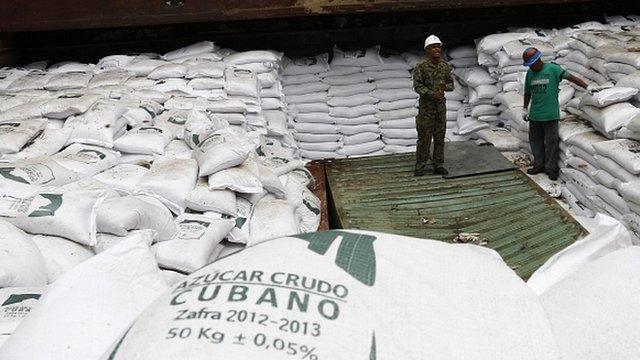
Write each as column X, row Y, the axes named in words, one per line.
column 541, row 88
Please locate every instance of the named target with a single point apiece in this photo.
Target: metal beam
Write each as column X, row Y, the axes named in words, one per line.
column 40, row 15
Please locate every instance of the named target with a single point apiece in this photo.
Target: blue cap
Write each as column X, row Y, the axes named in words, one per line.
column 532, row 60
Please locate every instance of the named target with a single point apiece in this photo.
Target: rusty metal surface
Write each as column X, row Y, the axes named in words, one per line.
column 317, row 169
column 511, row 214
column 35, row 15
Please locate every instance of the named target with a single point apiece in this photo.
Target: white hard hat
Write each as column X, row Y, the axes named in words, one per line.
column 432, row 39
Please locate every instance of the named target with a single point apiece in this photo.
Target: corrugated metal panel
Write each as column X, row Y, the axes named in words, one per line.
column 36, row 15
column 510, row 212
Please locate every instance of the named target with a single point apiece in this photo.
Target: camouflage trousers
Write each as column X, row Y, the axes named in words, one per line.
column 430, row 124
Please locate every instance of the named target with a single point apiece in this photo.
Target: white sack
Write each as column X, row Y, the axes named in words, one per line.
column 87, row 159
column 195, row 240
column 623, row 151
column 69, row 80
column 122, row 178
column 60, row 255
column 118, row 216
column 612, row 117
column 21, row 263
column 168, row 71
column 601, row 295
column 15, row 135
column 608, row 236
column 37, row 171
column 71, row 215
column 306, row 65
column 368, row 57
column 99, row 125
column 112, row 288
column 218, row 151
column 143, row 140
column 609, row 96
column 170, row 181
column 16, row 304
column 203, row 199
column 190, row 50
column 491, row 298
column 242, row 178
column 241, row 82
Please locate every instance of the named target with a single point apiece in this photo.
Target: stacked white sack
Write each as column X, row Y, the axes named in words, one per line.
column 396, row 103
column 462, row 57
column 71, row 157
column 315, row 132
column 351, row 80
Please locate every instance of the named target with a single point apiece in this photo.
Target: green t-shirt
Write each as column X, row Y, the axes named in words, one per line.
column 543, row 87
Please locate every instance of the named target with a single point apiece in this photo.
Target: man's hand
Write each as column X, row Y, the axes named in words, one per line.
column 439, row 95
column 525, row 114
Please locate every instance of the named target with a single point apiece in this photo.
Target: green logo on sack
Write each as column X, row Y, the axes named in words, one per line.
column 355, row 255
column 177, row 120
column 13, row 125
column 87, row 156
column 195, row 139
column 100, row 154
column 240, row 221
column 148, row 110
column 6, row 173
column 55, row 201
column 18, row 298
column 311, row 208
column 70, row 96
column 32, row 173
column 211, row 140
column 199, row 222
column 151, row 129
column 192, row 229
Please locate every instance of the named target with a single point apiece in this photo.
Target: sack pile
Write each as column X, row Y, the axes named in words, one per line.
column 174, row 148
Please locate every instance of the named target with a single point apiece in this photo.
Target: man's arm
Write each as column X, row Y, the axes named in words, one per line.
column 576, row 80
column 527, row 90
column 420, row 84
column 527, row 98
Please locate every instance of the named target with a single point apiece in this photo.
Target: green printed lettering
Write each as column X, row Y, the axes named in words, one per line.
column 203, row 293
column 175, row 301
column 238, row 293
column 301, row 304
column 268, row 296
column 328, row 309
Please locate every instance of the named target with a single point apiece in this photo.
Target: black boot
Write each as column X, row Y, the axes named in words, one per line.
column 440, row 170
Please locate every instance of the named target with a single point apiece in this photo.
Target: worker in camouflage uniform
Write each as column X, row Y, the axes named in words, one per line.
column 431, row 78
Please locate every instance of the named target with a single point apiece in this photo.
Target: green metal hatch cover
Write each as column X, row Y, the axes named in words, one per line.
column 504, row 211
column 464, row 158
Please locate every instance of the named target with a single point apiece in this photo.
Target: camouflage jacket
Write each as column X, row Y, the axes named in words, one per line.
column 428, row 77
